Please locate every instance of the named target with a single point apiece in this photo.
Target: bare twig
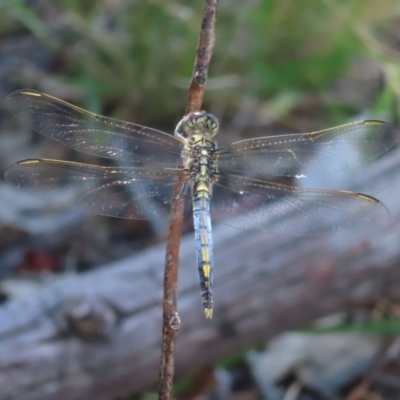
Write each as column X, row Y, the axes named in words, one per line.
column 203, row 57
column 171, row 321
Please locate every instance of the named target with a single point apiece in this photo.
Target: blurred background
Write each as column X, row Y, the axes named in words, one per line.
column 279, row 66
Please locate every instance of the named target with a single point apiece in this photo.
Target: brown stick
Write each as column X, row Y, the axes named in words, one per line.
column 171, row 321
column 204, row 52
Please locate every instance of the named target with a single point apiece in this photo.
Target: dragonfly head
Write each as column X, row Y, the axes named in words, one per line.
column 197, row 123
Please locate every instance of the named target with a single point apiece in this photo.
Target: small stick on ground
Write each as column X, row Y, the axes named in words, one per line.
column 171, row 321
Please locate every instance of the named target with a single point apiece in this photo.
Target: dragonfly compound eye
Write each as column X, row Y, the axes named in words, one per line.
column 212, row 124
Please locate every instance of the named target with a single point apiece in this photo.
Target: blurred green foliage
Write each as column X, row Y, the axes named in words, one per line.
column 138, row 55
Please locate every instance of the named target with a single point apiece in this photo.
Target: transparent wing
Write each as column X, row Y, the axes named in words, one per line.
column 256, row 204
column 91, row 133
column 288, row 155
column 133, row 193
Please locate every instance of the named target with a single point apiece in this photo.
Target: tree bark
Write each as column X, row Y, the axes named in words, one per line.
column 98, row 334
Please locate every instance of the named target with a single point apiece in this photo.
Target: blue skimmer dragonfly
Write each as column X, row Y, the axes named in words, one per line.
column 214, row 178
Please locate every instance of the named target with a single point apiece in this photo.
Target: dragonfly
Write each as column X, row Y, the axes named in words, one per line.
column 234, row 180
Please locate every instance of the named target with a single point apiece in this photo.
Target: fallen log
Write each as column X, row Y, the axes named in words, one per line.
column 98, row 334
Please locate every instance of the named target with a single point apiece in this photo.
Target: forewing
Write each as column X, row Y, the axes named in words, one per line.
column 133, row 193
column 260, row 205
column 292, row 155
column 91, row 133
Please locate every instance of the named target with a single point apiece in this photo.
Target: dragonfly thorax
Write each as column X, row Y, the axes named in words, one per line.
column 202, row 162
column 196, row 130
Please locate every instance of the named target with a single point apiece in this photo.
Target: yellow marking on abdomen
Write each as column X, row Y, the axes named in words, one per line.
column 202, row 189
column 206, row 270
column 205, row 255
